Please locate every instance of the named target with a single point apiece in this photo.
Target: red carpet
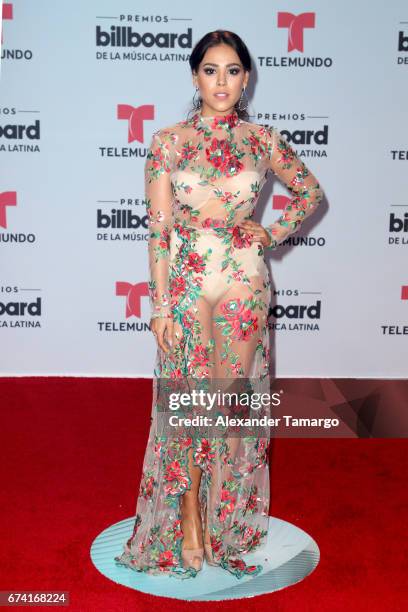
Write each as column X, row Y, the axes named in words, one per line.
column 72, row 452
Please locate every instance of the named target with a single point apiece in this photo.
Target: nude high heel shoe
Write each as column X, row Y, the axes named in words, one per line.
column 209, row 554
column 209, row 557
column 192, row 557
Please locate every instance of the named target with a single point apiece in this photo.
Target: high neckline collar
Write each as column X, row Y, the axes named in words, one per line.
column 218, row 121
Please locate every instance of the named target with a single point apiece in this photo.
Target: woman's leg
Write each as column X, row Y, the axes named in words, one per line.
column 190, row 511
column 239, row 318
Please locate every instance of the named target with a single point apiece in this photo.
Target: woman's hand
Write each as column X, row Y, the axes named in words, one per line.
column 259, row 234
column 162, row 328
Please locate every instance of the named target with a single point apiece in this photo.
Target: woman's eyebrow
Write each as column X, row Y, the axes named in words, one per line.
column 212, row 64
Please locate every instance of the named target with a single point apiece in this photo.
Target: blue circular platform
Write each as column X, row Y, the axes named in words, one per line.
column 289, row 556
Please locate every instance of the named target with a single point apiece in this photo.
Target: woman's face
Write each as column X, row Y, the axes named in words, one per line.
column 220, row 72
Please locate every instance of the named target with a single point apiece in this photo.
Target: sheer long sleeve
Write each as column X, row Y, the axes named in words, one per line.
column 159, row 206
column 307, row 193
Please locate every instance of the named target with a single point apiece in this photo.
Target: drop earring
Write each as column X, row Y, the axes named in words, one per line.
column 241, row 105
column 196, row 103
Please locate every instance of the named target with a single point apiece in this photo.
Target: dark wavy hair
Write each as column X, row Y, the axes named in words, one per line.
column 212, row 39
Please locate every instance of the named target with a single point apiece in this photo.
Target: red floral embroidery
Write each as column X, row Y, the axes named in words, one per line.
column 228, row 501
column 217, row 121
column 166, row 560
column 239, row 564
column 183, row 232
column 204, row 453
column 232, row 309
column 146, row 488
column 178, row 285
column 213, row 223
column 176, row 479
column 195, row 262
column 176, row 374
column 199, row 357
column 241, row 239
column 231, row 120
column 238, row 321
column 221, row 157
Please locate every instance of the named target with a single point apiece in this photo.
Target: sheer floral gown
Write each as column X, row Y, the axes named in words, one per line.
column 203, row 176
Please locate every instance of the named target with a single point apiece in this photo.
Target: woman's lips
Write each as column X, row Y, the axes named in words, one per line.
column 221, row 96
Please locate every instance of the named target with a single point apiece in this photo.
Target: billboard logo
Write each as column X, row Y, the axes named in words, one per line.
column 402, row 42
column 121, row 219
column 398, row 229
column 125, row 36
column 295, row 317
column 21, row 309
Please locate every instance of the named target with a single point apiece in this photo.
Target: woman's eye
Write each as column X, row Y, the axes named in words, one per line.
column 233, row 71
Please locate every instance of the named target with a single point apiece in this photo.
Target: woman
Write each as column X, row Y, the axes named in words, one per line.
column 210, row 294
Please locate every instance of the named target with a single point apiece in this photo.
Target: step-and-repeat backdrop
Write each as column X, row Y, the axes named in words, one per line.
column 83, row 87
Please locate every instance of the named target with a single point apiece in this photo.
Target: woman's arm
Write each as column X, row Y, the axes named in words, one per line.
column 306, row 191
column 159, row 206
